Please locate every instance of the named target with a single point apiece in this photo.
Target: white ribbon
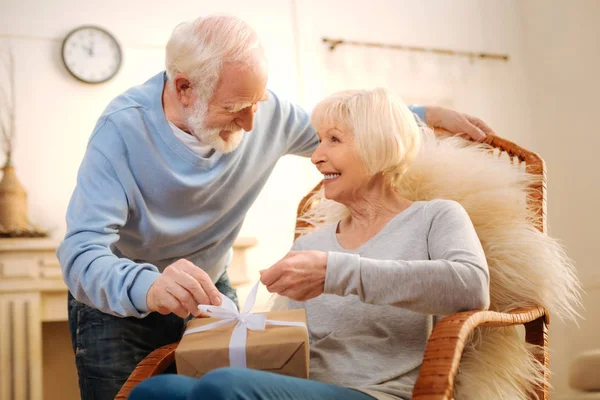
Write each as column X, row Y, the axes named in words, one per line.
column 228, row 314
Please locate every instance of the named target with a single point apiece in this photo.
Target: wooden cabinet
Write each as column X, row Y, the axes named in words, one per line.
column 36, row 359
column 29, row 273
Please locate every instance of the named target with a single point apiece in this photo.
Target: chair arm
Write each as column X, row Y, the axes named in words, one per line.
column 446, row 344
column 154, row 363
column 440, row 363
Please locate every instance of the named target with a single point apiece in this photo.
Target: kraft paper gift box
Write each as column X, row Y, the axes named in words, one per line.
column 278, row 348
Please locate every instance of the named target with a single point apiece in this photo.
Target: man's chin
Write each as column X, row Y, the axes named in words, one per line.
column 227, row 146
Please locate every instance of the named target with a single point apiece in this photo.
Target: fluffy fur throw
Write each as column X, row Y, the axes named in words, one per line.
column 526, row 266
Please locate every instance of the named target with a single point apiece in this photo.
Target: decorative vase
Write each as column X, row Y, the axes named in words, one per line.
column 13, row 202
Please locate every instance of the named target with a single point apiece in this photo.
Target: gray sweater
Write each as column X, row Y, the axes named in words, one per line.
column 370, row 327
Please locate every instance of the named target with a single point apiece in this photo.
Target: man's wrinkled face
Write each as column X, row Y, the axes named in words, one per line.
column 221, row 122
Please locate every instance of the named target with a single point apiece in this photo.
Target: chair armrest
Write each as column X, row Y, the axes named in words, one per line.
column 154, row 363
column 447, row 342
column 440, row 363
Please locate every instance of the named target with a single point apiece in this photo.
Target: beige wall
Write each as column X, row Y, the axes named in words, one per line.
column 563, row 60
column 56, row 114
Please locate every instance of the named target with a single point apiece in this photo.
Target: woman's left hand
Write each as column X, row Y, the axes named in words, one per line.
column 300, row 275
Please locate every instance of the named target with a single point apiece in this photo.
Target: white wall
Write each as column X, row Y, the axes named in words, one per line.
column 563, row 60
column 489, row 89
column 56, row 113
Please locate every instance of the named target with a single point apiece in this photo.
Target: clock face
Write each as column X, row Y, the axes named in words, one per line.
column 91, row 54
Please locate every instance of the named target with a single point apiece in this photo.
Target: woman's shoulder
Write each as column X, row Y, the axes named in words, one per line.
column 443, row 204
column 319, row 236
column 444, row 209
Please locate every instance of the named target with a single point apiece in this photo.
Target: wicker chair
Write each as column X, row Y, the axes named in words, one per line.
column 449, row 336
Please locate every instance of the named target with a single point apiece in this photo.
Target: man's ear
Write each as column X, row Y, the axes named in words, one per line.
column 183, row 89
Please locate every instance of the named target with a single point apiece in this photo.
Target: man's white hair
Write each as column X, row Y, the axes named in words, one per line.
column 200, row 48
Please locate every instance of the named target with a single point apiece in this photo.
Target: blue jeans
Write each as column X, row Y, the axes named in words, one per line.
column 108, row 348
column 240, row 384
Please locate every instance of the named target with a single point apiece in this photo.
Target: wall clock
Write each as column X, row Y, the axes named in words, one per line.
column 91, row 54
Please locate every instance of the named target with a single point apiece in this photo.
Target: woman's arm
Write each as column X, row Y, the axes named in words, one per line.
column 455, row 279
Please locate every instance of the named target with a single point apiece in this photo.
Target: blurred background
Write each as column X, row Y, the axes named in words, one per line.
column 544, row 97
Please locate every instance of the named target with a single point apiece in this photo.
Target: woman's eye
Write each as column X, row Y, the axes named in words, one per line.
column 334, row 139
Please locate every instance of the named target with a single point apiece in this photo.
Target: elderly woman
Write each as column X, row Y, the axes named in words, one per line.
column 372, row 278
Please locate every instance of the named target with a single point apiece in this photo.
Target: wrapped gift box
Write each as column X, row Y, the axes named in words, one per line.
column 279, row 349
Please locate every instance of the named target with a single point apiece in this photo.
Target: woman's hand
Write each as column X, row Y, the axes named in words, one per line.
column 300, row 275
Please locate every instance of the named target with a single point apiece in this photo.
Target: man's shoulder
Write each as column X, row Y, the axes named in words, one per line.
column 279, row 109
column 144, row 96
column 125, row 112
column 274, row 105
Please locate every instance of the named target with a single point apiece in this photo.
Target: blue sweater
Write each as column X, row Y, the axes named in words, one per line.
column 143, row 199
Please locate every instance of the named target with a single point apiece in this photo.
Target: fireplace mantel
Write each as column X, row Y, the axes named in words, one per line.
column 32, row 292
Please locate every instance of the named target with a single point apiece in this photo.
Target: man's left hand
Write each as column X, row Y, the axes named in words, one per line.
column 300, row 275
column 457, row 123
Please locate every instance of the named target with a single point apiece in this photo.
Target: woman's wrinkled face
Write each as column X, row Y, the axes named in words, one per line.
column 337, row 158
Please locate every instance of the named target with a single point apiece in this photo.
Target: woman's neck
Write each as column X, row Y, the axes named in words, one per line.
column 376, row 206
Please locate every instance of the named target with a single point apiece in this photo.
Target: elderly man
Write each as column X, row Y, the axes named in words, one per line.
column 163, row 189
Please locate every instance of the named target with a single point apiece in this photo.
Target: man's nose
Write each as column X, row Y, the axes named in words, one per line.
column 245, row 119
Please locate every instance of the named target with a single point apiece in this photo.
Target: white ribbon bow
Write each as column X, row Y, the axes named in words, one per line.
column 228, row 314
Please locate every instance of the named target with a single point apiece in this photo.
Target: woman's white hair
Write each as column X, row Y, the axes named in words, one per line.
column 200, row 48
column 386, row 135
column 385, row 131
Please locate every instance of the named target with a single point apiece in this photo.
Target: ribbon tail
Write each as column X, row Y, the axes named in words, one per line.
column 251, row 299
column 237, row 346
column 209, row 326
column 286, row 323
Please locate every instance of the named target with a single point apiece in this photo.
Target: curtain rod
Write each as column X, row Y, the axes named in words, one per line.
column 333, row 43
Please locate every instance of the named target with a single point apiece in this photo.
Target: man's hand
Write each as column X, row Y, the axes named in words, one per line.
column 300, row 275
column 457, row 123
column 180, row 288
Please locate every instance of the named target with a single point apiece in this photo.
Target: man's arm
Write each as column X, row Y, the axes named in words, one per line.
column 93, row 273
column 303, row 139
column 419, row 111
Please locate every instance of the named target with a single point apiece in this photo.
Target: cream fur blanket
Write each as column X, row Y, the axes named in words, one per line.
column 526, row 266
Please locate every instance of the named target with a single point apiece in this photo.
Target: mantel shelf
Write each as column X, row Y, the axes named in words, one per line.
column 32, row 291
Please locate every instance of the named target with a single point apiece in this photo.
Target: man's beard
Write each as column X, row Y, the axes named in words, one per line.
column 211, row 137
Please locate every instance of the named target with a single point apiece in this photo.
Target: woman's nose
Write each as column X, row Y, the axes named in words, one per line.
column 317, row 156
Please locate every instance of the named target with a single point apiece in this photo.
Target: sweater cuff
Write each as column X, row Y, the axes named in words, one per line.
column 342, row 277
column 419, row 111
column 139, row 289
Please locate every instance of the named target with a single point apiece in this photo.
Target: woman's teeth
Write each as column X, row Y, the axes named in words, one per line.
column 331, row 176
